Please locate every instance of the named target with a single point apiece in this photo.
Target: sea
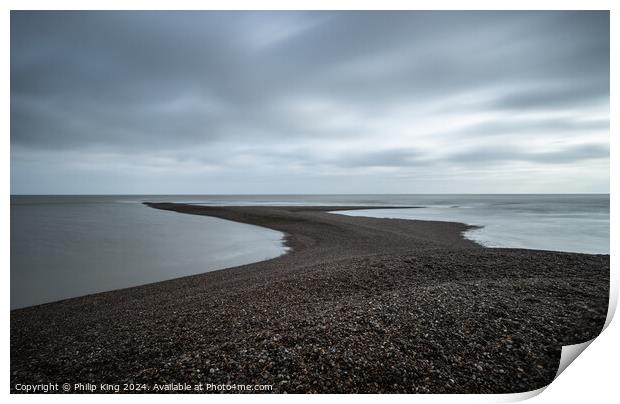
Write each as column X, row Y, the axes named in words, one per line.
column 73, row 245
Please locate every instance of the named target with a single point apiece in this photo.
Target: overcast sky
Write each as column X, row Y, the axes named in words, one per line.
column 315, row 102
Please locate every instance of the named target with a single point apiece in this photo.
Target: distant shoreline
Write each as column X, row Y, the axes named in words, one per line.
column 360, row 305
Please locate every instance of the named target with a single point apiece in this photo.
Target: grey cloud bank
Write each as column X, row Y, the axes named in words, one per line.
column 309, row 102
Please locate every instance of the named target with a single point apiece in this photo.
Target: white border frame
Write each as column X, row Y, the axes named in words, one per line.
column 592, row 377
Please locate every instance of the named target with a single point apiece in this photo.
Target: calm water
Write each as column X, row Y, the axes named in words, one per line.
column 71, row 246
column 574, row 223
column 68, row 246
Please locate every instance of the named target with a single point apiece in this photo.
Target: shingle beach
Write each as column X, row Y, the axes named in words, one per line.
column 358, row 305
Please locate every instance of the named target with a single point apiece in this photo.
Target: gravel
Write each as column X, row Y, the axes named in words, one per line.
column 360, row 305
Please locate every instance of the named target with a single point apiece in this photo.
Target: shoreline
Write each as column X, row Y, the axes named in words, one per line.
column 358, row 305
column 284, row 240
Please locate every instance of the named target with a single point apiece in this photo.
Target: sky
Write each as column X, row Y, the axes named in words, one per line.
column 309, row 102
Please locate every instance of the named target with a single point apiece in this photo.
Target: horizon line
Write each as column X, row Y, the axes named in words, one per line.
column 325, row 194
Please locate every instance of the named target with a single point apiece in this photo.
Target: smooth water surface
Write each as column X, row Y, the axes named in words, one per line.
column 71, row 246
column 574, row 223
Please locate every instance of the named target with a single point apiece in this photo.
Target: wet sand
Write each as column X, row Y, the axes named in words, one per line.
column 358, row 305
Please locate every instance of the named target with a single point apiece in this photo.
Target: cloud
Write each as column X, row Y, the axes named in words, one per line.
column 558, row 155
column 299, row 95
